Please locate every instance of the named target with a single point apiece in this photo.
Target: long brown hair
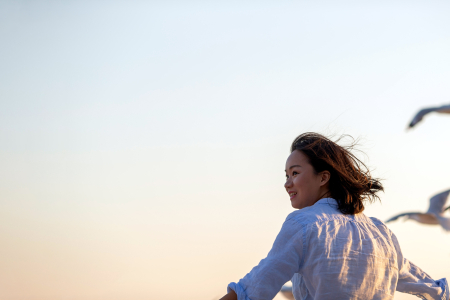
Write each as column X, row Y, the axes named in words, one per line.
column 350, row 181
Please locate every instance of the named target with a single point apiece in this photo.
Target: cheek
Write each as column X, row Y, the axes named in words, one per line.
column 304, row 184
column 299, row 182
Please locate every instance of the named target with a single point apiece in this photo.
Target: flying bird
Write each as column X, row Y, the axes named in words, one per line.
column 445, row 109
column 434, row 215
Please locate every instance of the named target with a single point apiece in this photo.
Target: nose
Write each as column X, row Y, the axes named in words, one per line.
column 288, row 183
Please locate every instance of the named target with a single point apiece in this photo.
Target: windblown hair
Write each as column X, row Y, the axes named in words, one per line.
column 350, row 181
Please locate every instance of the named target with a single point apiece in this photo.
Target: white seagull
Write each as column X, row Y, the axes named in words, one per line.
column 434, row 215
column 445, row 109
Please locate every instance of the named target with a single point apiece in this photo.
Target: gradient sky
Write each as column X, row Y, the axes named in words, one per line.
column 142, row 145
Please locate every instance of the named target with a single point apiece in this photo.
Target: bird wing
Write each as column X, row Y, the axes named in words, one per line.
column 445, row 222
column 419, row 116
column 445, row 109
column 400, row 215
column 437, row 203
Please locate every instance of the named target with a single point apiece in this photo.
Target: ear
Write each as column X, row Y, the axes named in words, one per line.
column 324, row 177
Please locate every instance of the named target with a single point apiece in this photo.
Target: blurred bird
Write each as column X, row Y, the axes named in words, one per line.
column 445, row 109
column 433, row 216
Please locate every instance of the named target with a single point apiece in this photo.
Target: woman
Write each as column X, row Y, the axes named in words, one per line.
column 328, row 247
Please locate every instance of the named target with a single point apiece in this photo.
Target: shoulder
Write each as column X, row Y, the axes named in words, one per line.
column 301, row 216
column 382, row 226
column 376, row 221
column 323, row 210
column 379, row 223
column 296, row 222
column 326, row 210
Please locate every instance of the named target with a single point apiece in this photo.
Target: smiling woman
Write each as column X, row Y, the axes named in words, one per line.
column 303, row 184
column 343, row 176
column 328, row 248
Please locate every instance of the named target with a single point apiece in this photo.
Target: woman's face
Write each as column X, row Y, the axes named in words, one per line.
column 303, row 185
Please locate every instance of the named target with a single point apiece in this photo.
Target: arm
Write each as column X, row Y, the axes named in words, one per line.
column 412, row 280
column 266, row 279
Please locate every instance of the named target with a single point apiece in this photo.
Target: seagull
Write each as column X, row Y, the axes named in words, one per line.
column 433, row 216
column 445, row 109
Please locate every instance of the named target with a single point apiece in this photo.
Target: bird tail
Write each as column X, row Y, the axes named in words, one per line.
column 445, row 222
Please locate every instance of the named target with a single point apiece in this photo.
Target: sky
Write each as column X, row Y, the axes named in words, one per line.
column 142, row 144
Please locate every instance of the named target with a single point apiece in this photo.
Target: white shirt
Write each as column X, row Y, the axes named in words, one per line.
column 329, row 255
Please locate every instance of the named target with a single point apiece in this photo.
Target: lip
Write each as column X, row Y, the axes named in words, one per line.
column 292, row 194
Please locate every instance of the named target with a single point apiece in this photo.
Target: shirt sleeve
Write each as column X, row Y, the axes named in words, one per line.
column 414, row 281
column 266, row 279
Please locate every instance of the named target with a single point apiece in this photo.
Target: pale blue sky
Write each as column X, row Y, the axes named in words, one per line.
column 145, row 141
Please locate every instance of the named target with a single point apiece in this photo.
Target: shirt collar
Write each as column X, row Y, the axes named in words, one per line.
column 327, row 201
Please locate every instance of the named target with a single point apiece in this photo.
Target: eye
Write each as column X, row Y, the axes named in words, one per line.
column 294, row 173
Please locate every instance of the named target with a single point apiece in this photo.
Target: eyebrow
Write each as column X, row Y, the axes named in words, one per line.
column 293, row 167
